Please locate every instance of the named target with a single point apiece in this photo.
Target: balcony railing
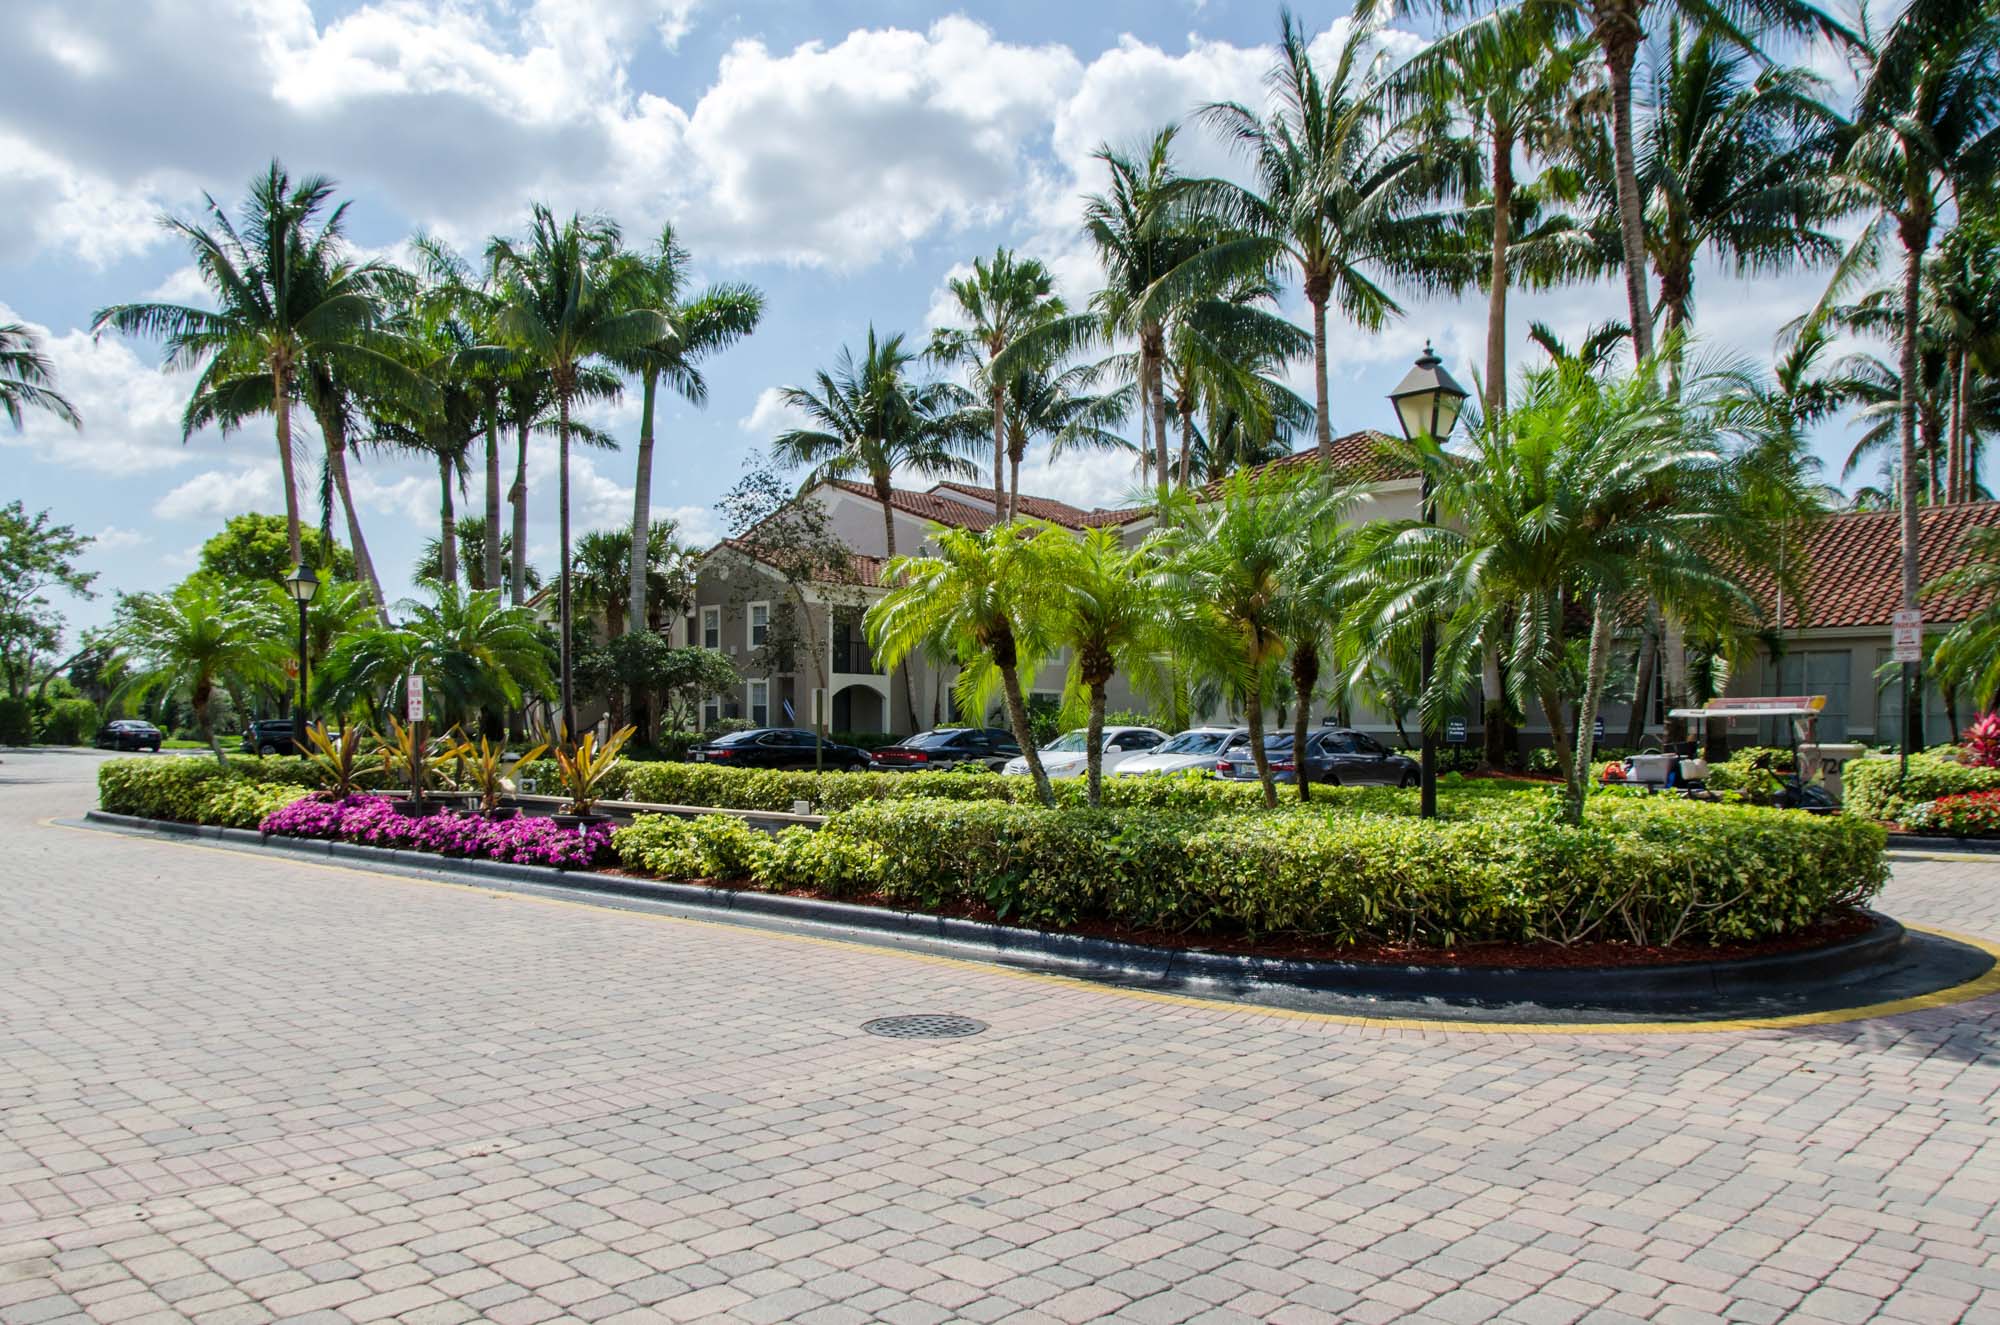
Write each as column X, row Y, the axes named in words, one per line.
column 851, row 655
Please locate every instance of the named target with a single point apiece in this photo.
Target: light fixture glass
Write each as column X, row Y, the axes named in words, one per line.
column 1428, row 400
column 301, row 584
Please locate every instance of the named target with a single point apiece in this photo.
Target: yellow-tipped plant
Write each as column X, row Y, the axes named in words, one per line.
column 585, row 765
column 484, row 766
column 408, row 760
column 337, row 759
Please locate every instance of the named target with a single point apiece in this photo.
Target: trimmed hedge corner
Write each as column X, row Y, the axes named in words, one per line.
column 200, row 791
column 1871, row 787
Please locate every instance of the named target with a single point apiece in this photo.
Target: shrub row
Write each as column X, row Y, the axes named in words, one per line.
column 200, row 791
column 1642, row 871
column 1873, row 787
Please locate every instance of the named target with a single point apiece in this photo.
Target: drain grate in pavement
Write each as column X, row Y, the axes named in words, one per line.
column 924, row 1026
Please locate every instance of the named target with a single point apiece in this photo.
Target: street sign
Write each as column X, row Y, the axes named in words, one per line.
column 1597, row 730
column 1454, row 731
column 1906, row 632
column 415, row 712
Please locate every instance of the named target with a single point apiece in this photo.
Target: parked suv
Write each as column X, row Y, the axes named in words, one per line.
column 777, row 747
column 128, row 734
column 967, row 748
column 271, row 736
column 1335, row 756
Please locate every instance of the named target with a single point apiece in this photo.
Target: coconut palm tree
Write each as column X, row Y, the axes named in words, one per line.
column 283, row 294
column 471, row 558
column 1225, row 352
column 1105, row 607
column 870, row 420
column 1333, row 191
column 978, row 599
column 1232, row 563
column 472, row 653
column 27, row 378
column 1968, row 656
column 1498, row 91
column 1000, row 300
column 698, row 325
column 201, row 635
column 1060, row 407
column 567, row 300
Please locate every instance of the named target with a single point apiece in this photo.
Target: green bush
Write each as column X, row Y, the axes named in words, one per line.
column 70, row 722
column 1871, row 787
column 1642, row 870
column 17, row 724
column 199, row 791
column 714, row 846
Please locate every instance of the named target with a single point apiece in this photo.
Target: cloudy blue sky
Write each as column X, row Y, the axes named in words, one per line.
column 845, row 157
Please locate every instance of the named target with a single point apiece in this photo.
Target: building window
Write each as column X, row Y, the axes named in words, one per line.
column 760, row 624
column 759, row 693
column 711, row 713
column 1828, row 672
column 1889, row 705
column 711, row 627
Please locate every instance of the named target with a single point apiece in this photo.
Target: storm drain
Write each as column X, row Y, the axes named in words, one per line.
column 924, row 1026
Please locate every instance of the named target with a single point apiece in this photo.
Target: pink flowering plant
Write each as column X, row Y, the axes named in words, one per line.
column 1982, row 742
column 1971, row 814
column 376, row 821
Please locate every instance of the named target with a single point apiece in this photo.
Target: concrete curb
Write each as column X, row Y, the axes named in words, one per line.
column 1800, row 977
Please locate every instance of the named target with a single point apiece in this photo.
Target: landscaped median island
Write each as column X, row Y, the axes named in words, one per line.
column 1188, row 860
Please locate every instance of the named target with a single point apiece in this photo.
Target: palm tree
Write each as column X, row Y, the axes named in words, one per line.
column 1058, row 406
column 870, row 421
column 697, row 327
column 1224, row 353
column 1588, row 491
column 201, row 635
column 1968, row 657
column 472, row 531
column 1233, row 564
column 976, row 599
column 1962, row 297
column 1517, row 87
column 284, row 297
column 999, row 301
column 1105, row 608
column 27, row 378
column 471, row 652
column 1332, row 191
column 566, row 301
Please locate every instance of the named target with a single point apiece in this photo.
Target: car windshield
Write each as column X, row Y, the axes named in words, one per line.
column 932, row 740
column 1069, row 743
column 1193, row 743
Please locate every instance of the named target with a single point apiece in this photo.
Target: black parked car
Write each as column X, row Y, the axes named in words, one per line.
column 271, row 736
column 1335, row 756
column 128, row 734
column 777, row 747
column 966, row 748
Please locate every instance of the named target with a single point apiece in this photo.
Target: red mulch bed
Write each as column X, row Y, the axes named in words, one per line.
column 1546, row 956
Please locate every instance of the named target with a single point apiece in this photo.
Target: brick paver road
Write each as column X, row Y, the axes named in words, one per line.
column 236, row 1089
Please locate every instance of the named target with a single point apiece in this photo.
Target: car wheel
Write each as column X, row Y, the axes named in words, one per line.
column 1408, row 780
column 154, row 747
column 857, row 768
column 267, row 749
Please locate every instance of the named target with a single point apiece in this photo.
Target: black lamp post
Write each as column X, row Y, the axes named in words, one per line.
column 1427, row 403
column 301, row 584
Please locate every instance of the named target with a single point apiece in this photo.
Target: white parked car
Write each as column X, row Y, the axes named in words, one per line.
column 1065, row 757
column 1197, row 747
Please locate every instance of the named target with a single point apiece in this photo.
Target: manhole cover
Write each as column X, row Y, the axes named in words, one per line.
column 924, row 1026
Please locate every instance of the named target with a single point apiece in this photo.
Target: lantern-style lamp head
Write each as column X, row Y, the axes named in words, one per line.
column 301, row 584
column 1427, row 400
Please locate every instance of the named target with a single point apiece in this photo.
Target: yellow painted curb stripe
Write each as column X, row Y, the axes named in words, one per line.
column 1989, row 983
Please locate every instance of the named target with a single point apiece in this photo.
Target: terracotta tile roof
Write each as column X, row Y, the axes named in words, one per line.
column 867, row 570
column 1358, row 457
column 1855, row 575
column 924, row 505
column 1053, row 510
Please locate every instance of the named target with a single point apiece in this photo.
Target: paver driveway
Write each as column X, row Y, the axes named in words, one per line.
column 236, row 1089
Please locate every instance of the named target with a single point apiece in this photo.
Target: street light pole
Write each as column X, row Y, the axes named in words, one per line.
column 1427, row 403
column 301, row 584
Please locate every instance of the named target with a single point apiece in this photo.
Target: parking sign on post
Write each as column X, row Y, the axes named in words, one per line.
column 1906, row 632
column 416, row 706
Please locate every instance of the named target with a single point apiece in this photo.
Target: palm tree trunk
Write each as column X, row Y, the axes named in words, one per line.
column 1642, row 690
column 447, row 526
column 1305, row 676
column 1318, row 288
column 1577, row 775
column 562, row 574
column 517, row 498
column 1013, row 483
column 1914, row 243
column 882, row 491
column 642, row 506
column 1094, row 734
column 1187, row 441
column 1961, row 473
column 1496, row 298
column 490, row 554
column 333, row 432
column 281, row 407
column 1618, row 33
column 1674, row 673
column 999, row 400
column 1159, row 405
column 1017, row 718
column 1253, row 718
column 1493, row 712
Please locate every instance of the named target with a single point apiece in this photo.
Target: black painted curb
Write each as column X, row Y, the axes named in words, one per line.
column 1984, row 846
column 1676, row 987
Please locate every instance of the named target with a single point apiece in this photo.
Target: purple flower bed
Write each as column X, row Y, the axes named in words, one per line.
column 374, row 821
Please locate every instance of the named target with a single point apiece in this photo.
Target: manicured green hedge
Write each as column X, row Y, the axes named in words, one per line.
column 1641, row 871
column 200, row 791
column 1872, row 788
